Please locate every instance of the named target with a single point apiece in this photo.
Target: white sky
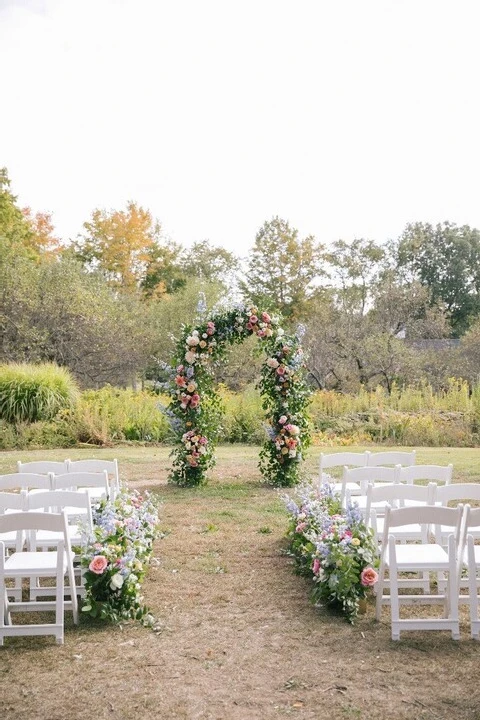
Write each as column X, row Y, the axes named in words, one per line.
column 348, row 117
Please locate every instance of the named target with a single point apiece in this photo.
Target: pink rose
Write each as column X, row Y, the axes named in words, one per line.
column 369, row 577
column 98, row 564
column 283, row 420
column 266, row 317
column 316, row 566
column 253, row 319
column 281, row 370
column 249, row 326
column 301, row 527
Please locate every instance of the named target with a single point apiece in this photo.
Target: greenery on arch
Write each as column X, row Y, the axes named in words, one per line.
column 195, row 407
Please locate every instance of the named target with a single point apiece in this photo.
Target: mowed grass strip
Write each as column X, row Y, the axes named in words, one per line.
column 237, row 636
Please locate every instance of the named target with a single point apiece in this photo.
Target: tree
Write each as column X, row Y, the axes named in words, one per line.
column 123, row 244
column 209, row 263
column 57, row 312
column 281, row 270
column 43, row 240
column 15, row 230
column 446, row 259
column 355, row 269
column 164, row 274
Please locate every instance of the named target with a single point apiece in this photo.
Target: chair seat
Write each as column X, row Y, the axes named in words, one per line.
column 420, row 557
column 34, row 563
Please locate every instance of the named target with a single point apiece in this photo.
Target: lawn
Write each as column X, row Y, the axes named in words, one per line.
column 237, row 638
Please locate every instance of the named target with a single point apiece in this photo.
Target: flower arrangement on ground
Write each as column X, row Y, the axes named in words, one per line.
column 195, row 408
column 332, row 546
column 115, row 559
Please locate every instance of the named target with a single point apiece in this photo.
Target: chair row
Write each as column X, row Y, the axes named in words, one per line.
column 399, row 559
column 355, row 480
column 394, row 495
column 97, row 484
column 366, row 459
column 43, row 467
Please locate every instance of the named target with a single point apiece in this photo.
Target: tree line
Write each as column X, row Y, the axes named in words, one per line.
column 109, row 303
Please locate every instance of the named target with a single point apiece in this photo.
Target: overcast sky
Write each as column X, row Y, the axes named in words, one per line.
column 347, row 117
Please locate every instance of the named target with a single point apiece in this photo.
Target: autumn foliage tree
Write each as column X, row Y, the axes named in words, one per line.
column 121, row 244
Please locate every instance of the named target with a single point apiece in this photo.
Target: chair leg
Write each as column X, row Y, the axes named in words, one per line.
column 453, row 590
column 473, row 591
column 394, row 600
column 379, row 585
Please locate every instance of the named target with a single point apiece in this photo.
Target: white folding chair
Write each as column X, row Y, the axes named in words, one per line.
column 399, row 558
column 25, row 481
column 391, row 457
column 22, row 564
column 454, row 493
column 43, row 467
column 96, row 483
column 397, row 495
column 472, row 562
column 75, row 503
column 334, row 460
column 356, row 480
column 96, row 466
column 440, row 474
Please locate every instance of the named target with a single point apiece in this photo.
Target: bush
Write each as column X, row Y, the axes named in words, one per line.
column 29, row 393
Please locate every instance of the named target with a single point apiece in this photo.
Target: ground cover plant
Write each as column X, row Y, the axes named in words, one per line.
column 237, row 636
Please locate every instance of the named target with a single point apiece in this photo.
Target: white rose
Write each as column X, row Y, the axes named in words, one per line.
column 190, row 357
column 192, row 340
column 116, row 582
column 272, row 362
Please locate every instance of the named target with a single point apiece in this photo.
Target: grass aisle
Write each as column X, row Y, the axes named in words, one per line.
column 237, row 638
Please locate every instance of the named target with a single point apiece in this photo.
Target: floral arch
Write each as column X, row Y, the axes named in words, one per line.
column 195, row 407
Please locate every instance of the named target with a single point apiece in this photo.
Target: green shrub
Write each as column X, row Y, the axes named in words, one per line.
column 29, row 393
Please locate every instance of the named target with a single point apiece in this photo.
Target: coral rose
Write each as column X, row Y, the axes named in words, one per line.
column 98, row 564
column 368, row 577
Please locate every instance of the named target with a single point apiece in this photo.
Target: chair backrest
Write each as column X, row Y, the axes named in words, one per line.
column 19, row 481
column 437, row 473
column 12, row 501
column 355, row 459
column 56, row 522
column 427, row 514
column 63, row 500
column 96, row 466
column 396, row 494
column 43, row 466
column 365, row 475
column 77, row 480
column 458, row 491
column 391, row 457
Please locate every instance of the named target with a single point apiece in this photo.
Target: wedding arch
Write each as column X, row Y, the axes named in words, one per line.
column 195, row 407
